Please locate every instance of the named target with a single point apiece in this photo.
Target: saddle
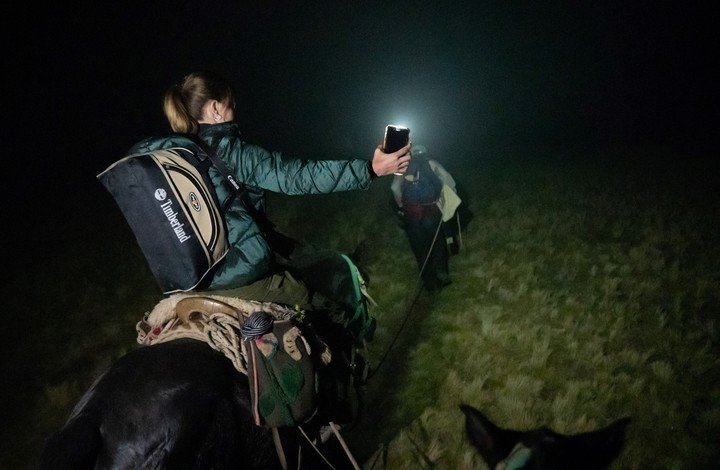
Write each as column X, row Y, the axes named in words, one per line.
column 263, row 340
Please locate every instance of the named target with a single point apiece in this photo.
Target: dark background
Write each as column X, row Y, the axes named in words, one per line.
column 322, row 79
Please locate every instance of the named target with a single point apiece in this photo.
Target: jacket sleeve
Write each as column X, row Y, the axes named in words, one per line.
column 275, row 172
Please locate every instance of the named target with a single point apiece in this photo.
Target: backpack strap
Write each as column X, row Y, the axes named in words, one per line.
column 228, row 177
column 279, row 243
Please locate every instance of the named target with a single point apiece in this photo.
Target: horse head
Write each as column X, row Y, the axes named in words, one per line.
column 542, row 448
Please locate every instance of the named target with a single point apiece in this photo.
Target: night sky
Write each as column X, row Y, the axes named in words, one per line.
column 320, row 80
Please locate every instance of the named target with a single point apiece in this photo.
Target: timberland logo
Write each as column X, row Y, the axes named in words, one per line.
column 174, row 222
column 160, row 194
column 194, row 202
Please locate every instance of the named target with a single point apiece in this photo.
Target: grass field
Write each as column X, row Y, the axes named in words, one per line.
column 583, row 293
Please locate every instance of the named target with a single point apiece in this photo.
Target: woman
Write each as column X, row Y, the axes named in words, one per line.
column 203, row 105
column 426, row 201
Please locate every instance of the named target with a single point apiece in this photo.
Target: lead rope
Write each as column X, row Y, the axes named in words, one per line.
column 335, row 431
column 460, row 239
column 279, row 448
column 415, row 296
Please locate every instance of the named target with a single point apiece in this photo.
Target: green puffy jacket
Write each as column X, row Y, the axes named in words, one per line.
column 249, row 257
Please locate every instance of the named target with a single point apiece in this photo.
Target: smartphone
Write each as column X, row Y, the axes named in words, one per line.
column 396, row 137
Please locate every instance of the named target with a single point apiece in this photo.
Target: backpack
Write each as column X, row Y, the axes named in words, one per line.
column 420, row 185
column 170, row 204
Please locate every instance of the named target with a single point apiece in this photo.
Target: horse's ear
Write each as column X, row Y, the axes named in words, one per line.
column 493, row 442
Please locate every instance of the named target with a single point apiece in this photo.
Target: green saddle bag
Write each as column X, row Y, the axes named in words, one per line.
column 282, row 376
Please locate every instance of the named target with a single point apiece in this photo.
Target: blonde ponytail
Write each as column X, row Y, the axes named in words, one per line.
column 177, row 113
column 183, row 103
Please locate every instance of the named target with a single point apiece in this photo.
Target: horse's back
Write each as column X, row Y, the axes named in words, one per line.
column 178, row 404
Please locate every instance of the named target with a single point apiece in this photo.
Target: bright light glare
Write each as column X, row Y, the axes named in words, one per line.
column 405, row 121
column 401, row 122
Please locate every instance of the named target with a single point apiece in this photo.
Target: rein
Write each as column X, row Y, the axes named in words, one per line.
column 414, row 298
column 333, row 428
column 362, row 317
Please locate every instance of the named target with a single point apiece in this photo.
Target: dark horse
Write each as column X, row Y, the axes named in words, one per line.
column 181, row 404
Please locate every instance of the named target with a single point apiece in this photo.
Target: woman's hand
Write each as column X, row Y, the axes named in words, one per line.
column 388, row 163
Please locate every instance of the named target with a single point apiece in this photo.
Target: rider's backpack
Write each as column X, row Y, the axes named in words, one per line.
column 420, row 185
column 170, row 204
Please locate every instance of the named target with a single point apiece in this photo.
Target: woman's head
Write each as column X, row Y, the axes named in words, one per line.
column 201, row 97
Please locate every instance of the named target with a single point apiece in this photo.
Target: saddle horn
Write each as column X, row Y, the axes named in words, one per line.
column 189, row 308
